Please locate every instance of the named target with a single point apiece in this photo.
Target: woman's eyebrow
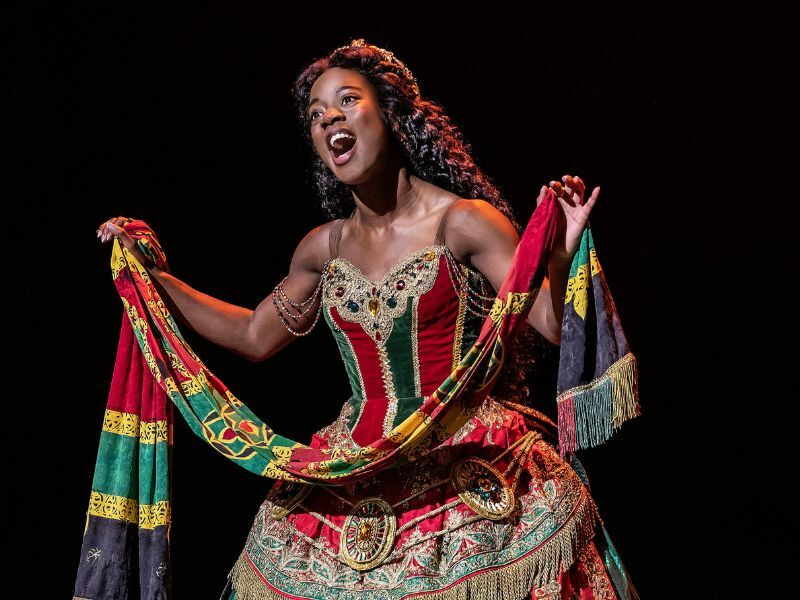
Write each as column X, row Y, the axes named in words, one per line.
column 336, row 91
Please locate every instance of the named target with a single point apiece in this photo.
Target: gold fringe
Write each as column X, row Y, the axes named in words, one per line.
column 623, row 384
column 515, row 580
column 590, row 414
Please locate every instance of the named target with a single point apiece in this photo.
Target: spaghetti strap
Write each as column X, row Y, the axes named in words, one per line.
column 334, row 236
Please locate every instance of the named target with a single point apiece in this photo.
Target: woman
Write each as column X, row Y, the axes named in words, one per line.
column 418, row 244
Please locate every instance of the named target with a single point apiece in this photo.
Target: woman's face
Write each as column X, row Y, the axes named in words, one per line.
column 348, row 126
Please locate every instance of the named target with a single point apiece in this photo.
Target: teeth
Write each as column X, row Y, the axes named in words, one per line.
column 338, row 136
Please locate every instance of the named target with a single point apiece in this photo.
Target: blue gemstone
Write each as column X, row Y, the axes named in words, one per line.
column 392, row 302
column 352, row 306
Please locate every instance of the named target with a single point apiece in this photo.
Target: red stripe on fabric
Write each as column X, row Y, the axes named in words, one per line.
column 133, row 389
column 436, row 329
column 370, row 425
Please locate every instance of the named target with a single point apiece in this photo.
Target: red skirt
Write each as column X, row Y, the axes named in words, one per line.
column 494, row 512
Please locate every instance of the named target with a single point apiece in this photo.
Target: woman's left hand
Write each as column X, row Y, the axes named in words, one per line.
column 573, row 214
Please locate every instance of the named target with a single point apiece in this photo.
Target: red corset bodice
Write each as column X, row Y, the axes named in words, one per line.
column 399, row 337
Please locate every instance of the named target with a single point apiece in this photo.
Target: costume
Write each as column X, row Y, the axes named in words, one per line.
column 460, row 495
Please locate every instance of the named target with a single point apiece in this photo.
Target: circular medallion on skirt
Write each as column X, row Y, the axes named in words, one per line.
column 285, row 495
column 483, row 488
column 367, row 534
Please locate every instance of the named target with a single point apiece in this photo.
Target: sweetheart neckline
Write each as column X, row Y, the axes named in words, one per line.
column 393, row 268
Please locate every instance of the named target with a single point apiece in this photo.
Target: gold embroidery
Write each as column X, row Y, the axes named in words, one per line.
column 596, row 573
column 376, row 304
column 483, row 488
column 337, row 434
column 415, row 345
column 367, row 534
column 388, row 385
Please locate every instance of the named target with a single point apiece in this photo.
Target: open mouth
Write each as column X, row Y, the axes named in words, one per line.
column 341, row 145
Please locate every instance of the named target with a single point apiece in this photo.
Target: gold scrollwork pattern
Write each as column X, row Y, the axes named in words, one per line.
column 148, row 516
column 376, row 304
column 129, row 424
column 483, row 488
column 515, row 303
column 367, row 534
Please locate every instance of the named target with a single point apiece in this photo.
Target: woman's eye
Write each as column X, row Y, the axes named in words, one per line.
column 346, row 97
column 313, row 114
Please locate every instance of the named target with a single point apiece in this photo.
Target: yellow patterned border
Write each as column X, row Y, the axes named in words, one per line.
column 122, row 423
column 515, row 303
column 147, row 516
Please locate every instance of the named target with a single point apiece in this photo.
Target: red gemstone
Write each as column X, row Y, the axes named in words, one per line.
column 339, row 292
column 373, row 291
column 400, row 284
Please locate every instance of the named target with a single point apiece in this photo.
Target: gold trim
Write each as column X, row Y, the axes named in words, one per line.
column 147, row 516
column 622, row 377
column 130, row 425
column 415, row 344
column 460, row 478
column 386, row 544
column 357, row 302
column 514, row 580
column 388, row 387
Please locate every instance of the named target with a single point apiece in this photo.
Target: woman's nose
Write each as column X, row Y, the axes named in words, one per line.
column 332, row 115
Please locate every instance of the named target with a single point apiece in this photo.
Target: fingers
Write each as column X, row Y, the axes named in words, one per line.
column 576, row 185
column 541, row 195
column 571, row 190
column 105, row 232
column 593, row 198
column 562, row 193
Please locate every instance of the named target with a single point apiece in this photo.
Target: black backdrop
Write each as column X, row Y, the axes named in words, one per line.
column 180, row 114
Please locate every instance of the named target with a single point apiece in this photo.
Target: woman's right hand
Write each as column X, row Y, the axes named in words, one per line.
column 114, row 228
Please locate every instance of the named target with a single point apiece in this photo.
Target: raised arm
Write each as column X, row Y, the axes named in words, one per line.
column 253, row 334
column 482, row 235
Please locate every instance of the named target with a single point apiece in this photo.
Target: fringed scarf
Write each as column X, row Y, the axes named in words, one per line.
column 130, row 492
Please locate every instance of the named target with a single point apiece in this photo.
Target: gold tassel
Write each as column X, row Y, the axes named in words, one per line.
column 623, row 384
column 590, row 414
column 515, row 580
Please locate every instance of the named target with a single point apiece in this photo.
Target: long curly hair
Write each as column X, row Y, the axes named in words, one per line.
column 432, row 147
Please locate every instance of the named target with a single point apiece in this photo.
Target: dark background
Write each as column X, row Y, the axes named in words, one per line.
column 180, row 114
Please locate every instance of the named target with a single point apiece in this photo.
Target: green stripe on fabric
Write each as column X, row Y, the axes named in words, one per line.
column 399, row 348
column 349, row 359
column 582, row 255
column 120, row 456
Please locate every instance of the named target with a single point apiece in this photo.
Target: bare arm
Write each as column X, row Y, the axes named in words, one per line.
column 253, row 334
column 480, row 234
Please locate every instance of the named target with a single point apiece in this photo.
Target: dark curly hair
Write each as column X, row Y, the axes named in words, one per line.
column 432, row 148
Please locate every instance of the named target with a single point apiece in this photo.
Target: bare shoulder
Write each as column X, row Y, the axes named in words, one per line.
column 473, row 224
column 313, row 250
